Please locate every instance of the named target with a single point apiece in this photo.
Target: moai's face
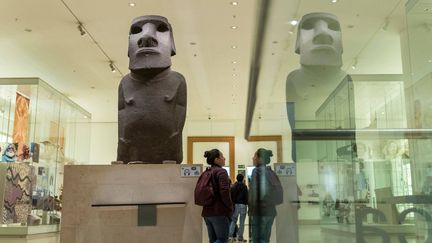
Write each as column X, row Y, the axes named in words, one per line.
column 319, row 40
column 150, row 43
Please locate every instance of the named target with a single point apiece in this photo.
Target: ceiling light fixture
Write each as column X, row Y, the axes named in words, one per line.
column 354, row 65
column 84, row 31
column 233, row 46
column 132, row 4
column 81, row 29
column 334, row 1
column 234, row 3
column 234, row 75
column 111, row 65
column 293, row 22
column 234, row 62
column 233, row 27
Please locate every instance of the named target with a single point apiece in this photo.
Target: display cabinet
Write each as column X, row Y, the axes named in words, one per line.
column 41, row 130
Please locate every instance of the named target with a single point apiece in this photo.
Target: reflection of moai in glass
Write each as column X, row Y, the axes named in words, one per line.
column 152, row 97
column 319, row 44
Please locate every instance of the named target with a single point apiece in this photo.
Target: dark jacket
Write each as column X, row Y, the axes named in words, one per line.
column 223, row 205
column 239, row 193
column 258, row 207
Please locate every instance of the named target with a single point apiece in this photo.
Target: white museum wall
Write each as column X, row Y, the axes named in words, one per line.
column 103, row 142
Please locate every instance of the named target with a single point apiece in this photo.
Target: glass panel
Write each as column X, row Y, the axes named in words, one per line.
column 351, row 90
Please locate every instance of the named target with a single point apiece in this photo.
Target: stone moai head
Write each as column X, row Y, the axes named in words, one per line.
column 319, row 40
column 151, row 43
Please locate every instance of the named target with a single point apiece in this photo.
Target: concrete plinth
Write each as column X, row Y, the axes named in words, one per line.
column 101, row 204
column 287, row 224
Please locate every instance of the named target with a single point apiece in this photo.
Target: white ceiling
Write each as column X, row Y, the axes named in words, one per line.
column 55, row 51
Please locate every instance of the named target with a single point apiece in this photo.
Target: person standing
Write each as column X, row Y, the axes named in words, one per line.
column 239, row 195
column 262, row 197
column 217, row 216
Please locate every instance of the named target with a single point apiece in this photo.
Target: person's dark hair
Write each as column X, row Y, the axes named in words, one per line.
column 264, row 155
column 211, row 155
column 240, row 177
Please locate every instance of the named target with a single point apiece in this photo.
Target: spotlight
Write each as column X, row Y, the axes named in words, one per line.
column 354, row 65
column 81, row 29
column 111, row 65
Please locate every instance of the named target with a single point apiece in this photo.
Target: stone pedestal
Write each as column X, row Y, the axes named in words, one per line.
column 287, row 213
column 100, row 204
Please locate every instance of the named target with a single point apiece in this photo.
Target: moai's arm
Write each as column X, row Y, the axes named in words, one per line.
column 121, row 147
column 181, row 104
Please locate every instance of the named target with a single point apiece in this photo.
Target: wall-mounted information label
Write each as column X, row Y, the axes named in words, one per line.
column 190, row 170
column 285, row 169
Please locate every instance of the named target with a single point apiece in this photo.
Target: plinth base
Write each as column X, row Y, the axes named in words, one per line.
column 101, row 205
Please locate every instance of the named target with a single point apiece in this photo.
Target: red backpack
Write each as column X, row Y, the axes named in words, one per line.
column 204, row 191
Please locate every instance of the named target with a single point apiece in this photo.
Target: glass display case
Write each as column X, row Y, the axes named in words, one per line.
column 41, row 130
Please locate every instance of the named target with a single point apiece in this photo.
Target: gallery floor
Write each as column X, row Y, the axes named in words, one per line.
column 308, row 234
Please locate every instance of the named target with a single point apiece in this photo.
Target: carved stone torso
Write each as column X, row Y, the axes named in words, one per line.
column 150, row 118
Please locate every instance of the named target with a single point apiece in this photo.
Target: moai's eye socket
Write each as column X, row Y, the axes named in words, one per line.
column 308, row 24
column 135, row 29
column 162, row 27
column 334, row 25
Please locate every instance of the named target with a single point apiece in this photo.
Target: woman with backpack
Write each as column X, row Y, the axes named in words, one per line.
column 265, row 192
column 217, row 215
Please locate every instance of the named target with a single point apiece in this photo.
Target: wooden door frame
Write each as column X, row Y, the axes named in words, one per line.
column 213, row 139
column 270, row 138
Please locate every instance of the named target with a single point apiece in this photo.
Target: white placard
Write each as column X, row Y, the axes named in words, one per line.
column 190, row 170
column 285, row 169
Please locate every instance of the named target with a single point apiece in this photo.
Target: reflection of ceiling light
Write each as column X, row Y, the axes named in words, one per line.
column 293, row 22
column 234, row 3
column 354, row 65
column 234, row 75
column 111, row 65
column 429, row 61
column 81, row 29
column 334, row 1
column 234, row 62
column 132, row 4
column 85, row 117
column 290, row 32
column 234, row 27
column 234, row 47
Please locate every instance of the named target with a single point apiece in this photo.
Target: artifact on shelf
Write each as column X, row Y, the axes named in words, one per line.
column 152, row 97
column 9, row 153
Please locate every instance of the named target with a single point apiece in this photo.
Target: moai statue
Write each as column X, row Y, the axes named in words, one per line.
column 319, row 44
column 152, row 97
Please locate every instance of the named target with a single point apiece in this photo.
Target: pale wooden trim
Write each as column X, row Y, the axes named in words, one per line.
column 205, row 139
column 270, row 138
